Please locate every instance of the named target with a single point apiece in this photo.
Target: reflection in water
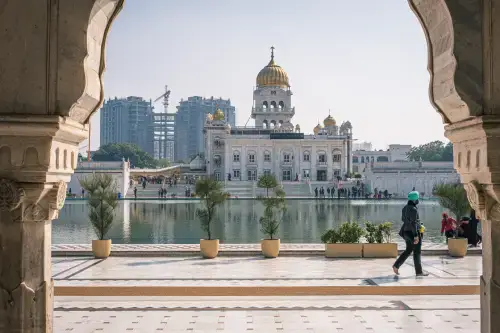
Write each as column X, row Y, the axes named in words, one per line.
column 154, row 221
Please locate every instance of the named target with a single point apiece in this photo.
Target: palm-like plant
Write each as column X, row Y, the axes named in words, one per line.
column 274, row 208
column 454, row 198
column 102, row 202
column 267, row 181
column 211, row 194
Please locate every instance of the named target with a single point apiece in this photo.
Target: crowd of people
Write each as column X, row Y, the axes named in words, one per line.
column 330, row 192
column 465, row 228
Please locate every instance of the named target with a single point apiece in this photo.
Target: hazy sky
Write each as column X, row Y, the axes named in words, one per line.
column 365, row 60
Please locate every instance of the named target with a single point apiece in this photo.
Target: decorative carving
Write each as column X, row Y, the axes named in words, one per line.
column 35, row 213
column 476, row 196
column 61, row 194
column 11, row 196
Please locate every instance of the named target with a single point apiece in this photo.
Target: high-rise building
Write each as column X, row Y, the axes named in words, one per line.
column 189, row 122
column 128, row 120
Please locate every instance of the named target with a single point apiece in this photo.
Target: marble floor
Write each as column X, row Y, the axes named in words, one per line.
column 431, row 313
column 256, row 271
column 285, row 314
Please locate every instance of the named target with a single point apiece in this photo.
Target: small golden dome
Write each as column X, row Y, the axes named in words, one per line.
column 272, row 75
column 329, row 121
column 219, row 115
column 317, row 129
column 210, row 117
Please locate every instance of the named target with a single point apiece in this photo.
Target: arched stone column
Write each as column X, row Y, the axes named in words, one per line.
column 51, row 62
column 464, row 62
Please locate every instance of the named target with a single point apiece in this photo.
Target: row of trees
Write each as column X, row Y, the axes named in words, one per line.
column 138, row 157
column 435, row 151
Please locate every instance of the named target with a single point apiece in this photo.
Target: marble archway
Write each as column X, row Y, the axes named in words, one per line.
column 51, row 63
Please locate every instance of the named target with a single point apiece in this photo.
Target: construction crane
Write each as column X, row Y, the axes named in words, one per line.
column 165, row 96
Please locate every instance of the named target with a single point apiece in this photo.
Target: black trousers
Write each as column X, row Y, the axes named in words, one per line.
column 410, row 247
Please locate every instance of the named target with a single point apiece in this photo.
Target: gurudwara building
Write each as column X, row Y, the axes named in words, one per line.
column 275, row 145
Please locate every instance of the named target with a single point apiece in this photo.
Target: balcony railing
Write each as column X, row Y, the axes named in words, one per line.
column 261, row 110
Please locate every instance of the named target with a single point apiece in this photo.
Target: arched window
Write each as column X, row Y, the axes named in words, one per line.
column 337, row 156
column 362, row 159
column 281, row 105
column 273, row 105
column 265, row 125
column 236, row 156
column 267, row 156
column 322, row 157
column 355, row 159
column 251, row 156
column 217, row 160
column 382, row 159
column 287, row 157
column 280, row 123
column 265, row 106
column 373, row 159
column 272, row 124
column 306, row 156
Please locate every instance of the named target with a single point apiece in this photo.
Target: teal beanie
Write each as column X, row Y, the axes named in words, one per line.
column 413, row 196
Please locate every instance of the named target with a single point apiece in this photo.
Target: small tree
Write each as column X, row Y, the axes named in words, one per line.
column 102, row 201
column 454, row 198
column 267, row 181
column 211, row 195
column 274, row 208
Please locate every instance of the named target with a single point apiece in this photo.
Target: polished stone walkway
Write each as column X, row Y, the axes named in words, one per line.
column 257, row 271
column 285, row 314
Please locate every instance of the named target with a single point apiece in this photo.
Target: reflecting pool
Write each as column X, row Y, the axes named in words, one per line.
column 156, row 221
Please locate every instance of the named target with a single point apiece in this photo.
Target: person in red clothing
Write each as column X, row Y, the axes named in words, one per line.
column 448, row 226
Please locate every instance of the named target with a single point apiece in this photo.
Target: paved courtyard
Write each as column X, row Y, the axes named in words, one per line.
column 261, row 314
column 183, row 313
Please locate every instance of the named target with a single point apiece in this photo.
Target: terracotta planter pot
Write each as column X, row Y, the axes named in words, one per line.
column 101, row 248
column 270, row 247
column 380, row 250
column 209, row 248
column 457, row 247
column 344, row 250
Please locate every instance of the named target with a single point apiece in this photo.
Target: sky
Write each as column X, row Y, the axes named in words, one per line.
column 364, row 60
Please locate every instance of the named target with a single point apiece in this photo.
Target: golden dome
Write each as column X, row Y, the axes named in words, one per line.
column 317, row 129
column 272, row 75
column 219, row 115
column 329, row 121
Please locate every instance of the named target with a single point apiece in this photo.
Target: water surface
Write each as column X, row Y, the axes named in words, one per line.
column 159, row 222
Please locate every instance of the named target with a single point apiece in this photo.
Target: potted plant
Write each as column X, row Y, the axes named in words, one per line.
column 454, row 198
column 379, row 241
column 268, row 182
column 344, row 241
column 274, row 208
column 211, row 195
column 102, row 201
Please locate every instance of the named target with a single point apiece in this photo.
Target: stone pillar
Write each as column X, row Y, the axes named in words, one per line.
column 477, row 158
column 51, row 64
column 36, row 161
column 463, row 37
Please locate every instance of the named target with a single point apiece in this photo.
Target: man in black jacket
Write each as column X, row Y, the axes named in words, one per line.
column 410, row 231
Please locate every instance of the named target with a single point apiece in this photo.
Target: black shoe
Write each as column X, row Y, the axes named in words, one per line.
column 423, row 274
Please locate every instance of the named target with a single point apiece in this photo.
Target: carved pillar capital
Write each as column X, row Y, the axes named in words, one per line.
column 477, row 159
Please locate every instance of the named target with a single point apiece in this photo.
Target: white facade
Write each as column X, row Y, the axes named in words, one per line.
column 274, row 145
column 120, row 171
column 399, row 178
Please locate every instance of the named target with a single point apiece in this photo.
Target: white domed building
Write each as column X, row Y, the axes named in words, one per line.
column 275, row 145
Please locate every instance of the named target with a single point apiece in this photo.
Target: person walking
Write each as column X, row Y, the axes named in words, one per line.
column 135, row 192
column 412, row 232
